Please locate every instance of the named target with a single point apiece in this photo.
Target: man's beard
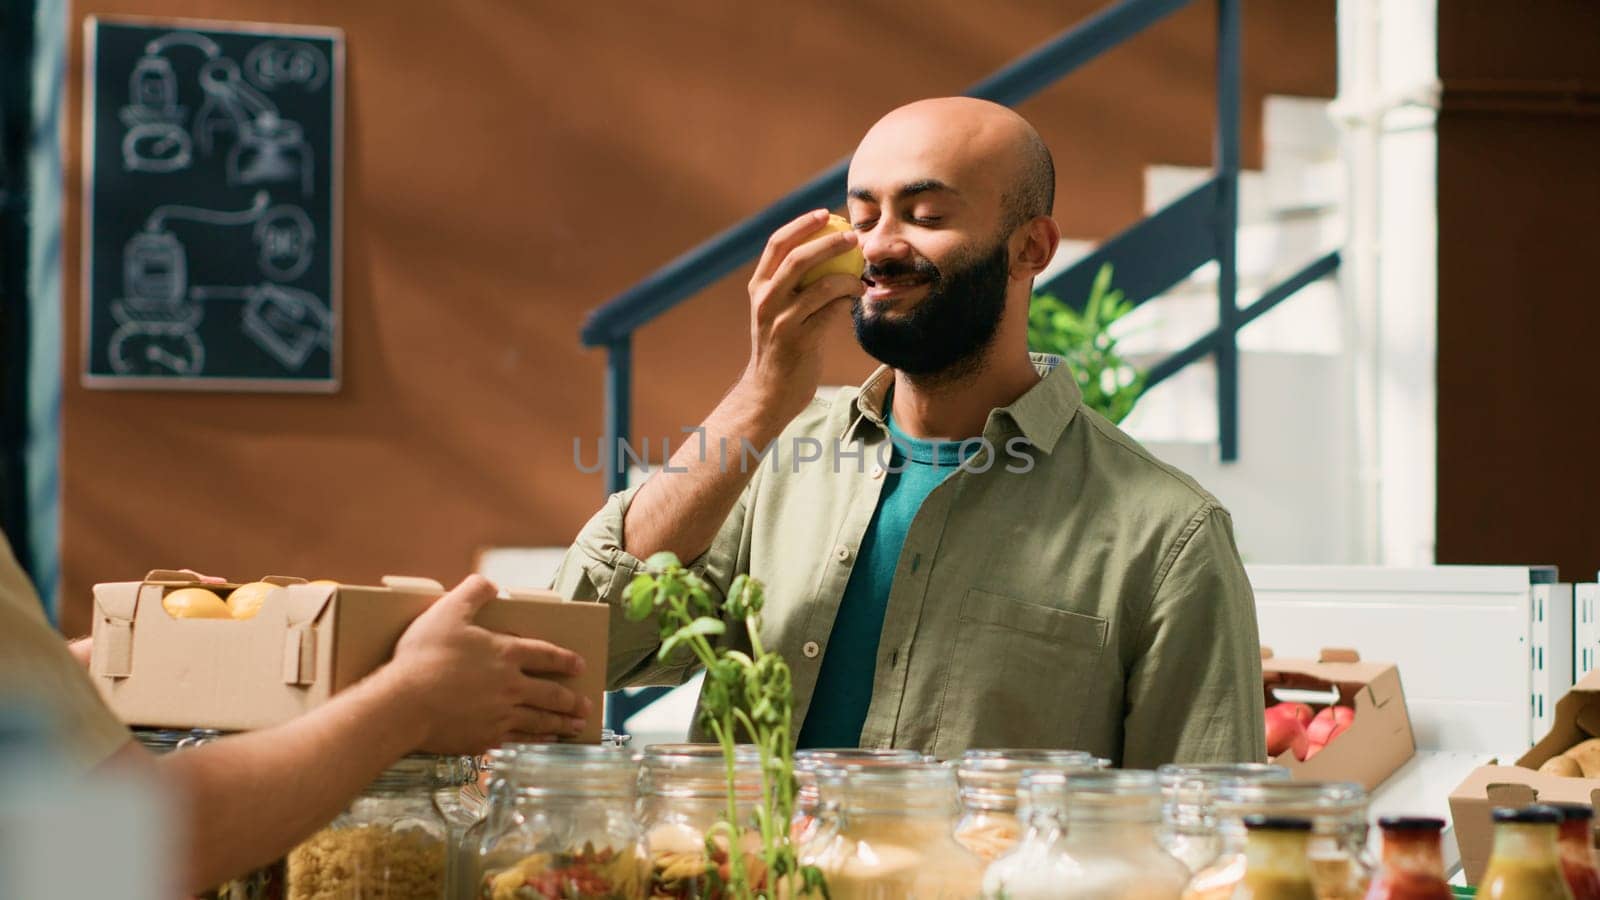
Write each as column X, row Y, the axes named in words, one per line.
column 943, row 337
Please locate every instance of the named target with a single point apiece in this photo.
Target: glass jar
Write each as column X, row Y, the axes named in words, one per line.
column 263, row 883
column 990, row 781
column 807, row 800
column 1525, row 863
column 1413, row 862
column 495, row 788
column 1090, row 835
column 1338, row 813
column 683, row 793
column 1277, row 862
column 1188, row 822
column 891, row 834
column 571, row 834
column 1575, row 843
column 391, row 842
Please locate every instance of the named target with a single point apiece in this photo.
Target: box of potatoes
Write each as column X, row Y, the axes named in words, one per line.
column 172, row 651
column 1564, row 767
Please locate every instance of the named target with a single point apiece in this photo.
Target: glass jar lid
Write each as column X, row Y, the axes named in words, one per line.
column 1189, row 790
column 698, row 771
column 166, row 740
column 921, row 786
column 568, row 770
column 992, row 779
column 1332, row 806
column 1118, row 795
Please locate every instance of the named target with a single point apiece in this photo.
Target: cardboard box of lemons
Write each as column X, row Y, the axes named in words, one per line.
column 850, row 262
column 195, row 603
column 246, row 599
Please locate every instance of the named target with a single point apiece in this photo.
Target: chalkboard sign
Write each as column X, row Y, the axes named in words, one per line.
column 211, row 233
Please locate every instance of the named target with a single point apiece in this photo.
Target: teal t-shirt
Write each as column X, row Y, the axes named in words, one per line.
column 844, row 684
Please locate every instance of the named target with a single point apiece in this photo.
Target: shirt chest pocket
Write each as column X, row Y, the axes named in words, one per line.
column 1019, row 675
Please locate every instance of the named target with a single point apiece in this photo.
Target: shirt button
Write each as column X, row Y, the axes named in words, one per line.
column 877, row 471
column 811, row 649
column 841, row 553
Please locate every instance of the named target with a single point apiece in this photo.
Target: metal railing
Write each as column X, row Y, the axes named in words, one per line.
column 1150, row 257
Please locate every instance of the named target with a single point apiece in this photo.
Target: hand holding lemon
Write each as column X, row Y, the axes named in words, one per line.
column 850, row 262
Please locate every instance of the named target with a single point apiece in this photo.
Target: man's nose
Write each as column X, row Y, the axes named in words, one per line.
column 883, row 243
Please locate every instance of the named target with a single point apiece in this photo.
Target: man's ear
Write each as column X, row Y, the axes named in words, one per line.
column 1037, row 241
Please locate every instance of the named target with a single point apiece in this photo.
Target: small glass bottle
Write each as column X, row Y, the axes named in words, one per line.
column 892, row 835
column 572, row 835
column 1576, row 844
column 391, row 842
column 1277, row 865
column 1188, row 822
column 683, row 794
column 808, row 811
column 1338, row 813
column 1090, row 835
column 1413, row 863
column 991, row 781
column 1525, row 863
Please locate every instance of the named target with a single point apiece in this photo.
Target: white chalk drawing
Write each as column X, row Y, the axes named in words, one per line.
column 285, row 240
column 286, row 322
column 156, row 317
column 151, row 347
column 283, row 63
column 156, row 140
column 270, row 150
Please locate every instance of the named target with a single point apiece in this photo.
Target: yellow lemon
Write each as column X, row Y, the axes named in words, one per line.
column 850, row 262
column 195, row 603
column 246, row 599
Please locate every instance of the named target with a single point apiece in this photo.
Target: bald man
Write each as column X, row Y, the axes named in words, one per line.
column 959, row 553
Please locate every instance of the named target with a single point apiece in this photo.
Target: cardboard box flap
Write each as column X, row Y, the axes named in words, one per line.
column 1341, row 673
column 114, row 606
column 531, row 594
column 1565, row 732
column 304, row 604
column 412, row 584
column 180, row 577
column 282, row 580
column 1338, row 655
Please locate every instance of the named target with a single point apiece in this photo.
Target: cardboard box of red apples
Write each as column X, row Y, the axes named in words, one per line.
column 1336, row 718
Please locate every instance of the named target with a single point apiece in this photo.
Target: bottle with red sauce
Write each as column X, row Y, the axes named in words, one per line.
column 1577, row 854
column 1412, row 867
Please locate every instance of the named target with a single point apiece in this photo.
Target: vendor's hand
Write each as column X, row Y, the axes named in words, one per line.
column 787, row 322
column 473, row 688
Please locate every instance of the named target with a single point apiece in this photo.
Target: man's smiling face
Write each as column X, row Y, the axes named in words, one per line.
column 926, row 194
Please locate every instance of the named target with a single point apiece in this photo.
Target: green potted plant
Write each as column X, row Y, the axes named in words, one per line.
column 1110, row 384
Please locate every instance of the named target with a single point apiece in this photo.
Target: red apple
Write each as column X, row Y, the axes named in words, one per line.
column 1286, row 727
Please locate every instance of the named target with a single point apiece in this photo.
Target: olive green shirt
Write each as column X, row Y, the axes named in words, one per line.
column 1075, row 592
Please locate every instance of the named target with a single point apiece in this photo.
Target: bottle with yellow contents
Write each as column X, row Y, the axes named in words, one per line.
column 1277, row 860
column 1525, row 863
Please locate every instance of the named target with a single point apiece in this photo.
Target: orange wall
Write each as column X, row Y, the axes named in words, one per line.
column 510, row 165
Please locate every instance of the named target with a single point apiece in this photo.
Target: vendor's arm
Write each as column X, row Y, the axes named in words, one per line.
column 452, row 687
column 694, row 507
column 1194, row 691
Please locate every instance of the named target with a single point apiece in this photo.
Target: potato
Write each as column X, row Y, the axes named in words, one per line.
column 1565, row 766
column 1587, row 755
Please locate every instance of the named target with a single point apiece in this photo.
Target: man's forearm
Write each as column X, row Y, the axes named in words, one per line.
column 681, row 508
column 251, row 797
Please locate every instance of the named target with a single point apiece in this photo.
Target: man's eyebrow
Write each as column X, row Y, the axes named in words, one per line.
column 920, row 186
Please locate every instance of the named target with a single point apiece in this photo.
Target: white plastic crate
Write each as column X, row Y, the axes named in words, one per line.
column 1482, row 650
column 1585, row 630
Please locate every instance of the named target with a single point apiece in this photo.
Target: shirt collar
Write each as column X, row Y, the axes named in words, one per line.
column 1040, row 415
